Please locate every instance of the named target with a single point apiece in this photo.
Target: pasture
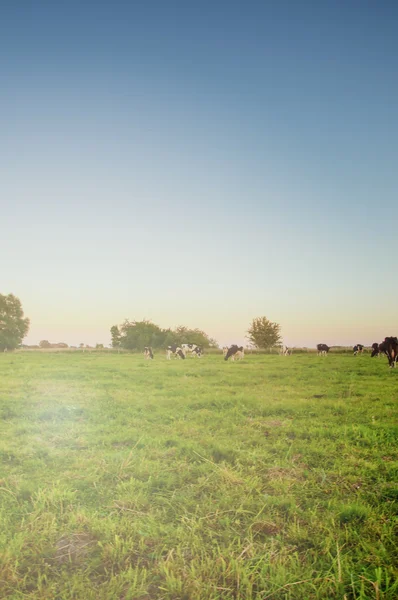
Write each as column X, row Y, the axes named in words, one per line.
column 271, row 478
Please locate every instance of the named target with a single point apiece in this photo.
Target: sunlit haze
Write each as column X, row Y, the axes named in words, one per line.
column 200, row 164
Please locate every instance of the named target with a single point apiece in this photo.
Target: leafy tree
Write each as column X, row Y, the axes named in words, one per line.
column 184, row 335
column 264, row 334
column 170, row 338
column 213, row 343
column 13, row 325
column 115, row 334
column 45, row 344
column 135, row 335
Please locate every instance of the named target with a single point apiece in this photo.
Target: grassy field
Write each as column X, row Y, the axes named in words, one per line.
column 199, row 479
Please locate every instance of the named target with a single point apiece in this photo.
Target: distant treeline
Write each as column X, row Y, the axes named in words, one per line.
column 135, row 335
column 43, row 345
column 46, row 345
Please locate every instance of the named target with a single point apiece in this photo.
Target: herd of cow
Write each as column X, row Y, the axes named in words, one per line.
column 233, row 352
column 389, row 347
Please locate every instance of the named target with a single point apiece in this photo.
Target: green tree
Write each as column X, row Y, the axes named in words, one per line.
column 45, row 344
column 264, row 334
column 13, row 325
column 135, row 335
column 184, row 335
column 115, row 334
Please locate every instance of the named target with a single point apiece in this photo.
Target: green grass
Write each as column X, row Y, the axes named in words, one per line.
column 122, row 478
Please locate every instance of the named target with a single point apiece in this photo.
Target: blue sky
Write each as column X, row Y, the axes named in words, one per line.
column 200, row 164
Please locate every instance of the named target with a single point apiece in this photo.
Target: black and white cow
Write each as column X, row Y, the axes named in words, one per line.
column 285, row 351
column 358, row 349
column 390, row 348
column 192, row 349
column 176, row 351
column 322, row 349
column 235, row 352
column 379, row 349
column 225, row 350
column 148, row 353
column 375, row 350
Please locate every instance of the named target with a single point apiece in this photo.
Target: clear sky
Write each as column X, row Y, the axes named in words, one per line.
column 200, row 163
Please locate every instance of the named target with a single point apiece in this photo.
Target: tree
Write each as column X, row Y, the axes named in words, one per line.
column 135, row 335
column 184, row 335
column 115, row 333
column 264, row 334
column 13, row 325
column 45, row 344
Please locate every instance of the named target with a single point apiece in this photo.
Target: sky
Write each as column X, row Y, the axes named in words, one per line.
column 200, row 163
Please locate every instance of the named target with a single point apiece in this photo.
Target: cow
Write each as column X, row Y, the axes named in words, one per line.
column 235, row 352
column 322, row 349
column 193, row 349
column 358, row 349
column 378, row 350
column 390, row 348
column 176, row 350
column 285, row 351
column 225, row 350
column 148, row 353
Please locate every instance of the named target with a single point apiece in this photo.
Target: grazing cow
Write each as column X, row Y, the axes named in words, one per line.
column 235, row 353
column 286, row 351
column 225, row 350
column 193, row 349
column 376, row 350
column 390, row 348
column 176, row 350
column 358, row 349
column 322, row 349
column 148, row 352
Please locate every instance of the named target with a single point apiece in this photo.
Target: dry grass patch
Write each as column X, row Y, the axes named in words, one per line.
column 74, row 547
